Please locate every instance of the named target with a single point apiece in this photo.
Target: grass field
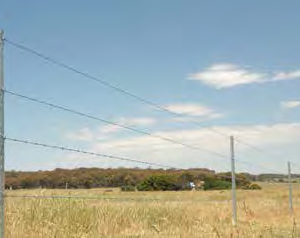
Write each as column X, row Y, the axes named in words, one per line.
column 262, row 213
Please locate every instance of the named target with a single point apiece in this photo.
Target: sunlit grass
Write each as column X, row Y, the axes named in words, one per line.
column 262, row 213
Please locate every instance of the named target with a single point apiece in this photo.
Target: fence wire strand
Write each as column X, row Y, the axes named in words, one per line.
column 56, row 147
column 132, row 95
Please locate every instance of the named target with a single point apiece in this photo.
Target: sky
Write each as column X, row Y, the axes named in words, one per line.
column 225, row 67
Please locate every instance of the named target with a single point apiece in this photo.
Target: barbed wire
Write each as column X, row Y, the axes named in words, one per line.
column 107, row 84
column 139, row 131
column 118, row 157
column 127, row 127
column 132, row 95
column 86, row 152
column 128, row 93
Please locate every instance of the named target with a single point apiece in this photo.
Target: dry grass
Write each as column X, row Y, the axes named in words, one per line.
column 152, row 214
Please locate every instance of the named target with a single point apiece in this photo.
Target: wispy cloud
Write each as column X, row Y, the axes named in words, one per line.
column 287, row 75
column 193, row 110
column 227, row 75
column 290, row 104
column 261, row 135
column 131, row 122
column 103, row 132
column 273, row 138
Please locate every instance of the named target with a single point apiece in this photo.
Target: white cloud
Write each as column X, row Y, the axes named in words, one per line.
column 287, row 75
column 108, row 129
column 193, row 110
column 226, row 75
column 130, row 122
column 290, row 104
column 139, row 121
column 277, row 139
column 256, row 135
column 189, row 109
column 103, row 132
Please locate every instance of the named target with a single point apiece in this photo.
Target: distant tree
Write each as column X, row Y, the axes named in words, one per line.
column 160, row 183
column 213, row 183
column 99, row 177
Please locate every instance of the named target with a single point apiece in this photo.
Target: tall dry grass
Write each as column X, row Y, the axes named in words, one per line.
column 262, row 213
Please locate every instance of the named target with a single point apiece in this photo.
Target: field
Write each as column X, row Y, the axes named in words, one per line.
column 111, row 213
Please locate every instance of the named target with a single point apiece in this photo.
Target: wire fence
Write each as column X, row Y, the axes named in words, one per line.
column 202, row 148
column 127, row 93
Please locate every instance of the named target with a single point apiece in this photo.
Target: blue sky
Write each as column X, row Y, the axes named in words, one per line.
column 231, row 65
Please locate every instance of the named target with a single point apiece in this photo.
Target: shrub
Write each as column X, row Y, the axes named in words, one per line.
column 254, row 186
column 216, row 184
column 160, row 183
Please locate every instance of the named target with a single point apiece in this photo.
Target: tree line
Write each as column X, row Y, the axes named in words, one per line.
column 126, row 178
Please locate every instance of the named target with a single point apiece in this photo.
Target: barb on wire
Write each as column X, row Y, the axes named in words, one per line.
column 139, row 131
column 86, row 152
